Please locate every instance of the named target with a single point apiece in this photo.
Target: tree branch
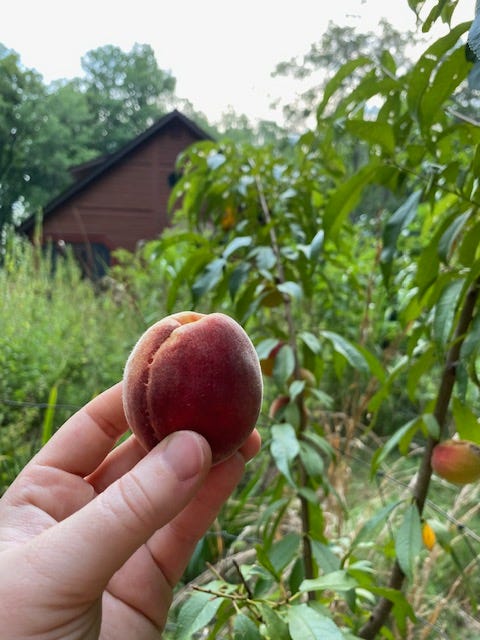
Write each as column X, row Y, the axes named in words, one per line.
column 382, row 609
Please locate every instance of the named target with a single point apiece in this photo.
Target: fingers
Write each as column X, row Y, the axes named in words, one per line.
column 172, row 546
column 92, row 544
column 126, row 455
column 147, row 579
column 87, row 437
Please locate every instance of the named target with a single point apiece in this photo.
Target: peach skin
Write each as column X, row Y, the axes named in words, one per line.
column 457, row 461
column 194, row 371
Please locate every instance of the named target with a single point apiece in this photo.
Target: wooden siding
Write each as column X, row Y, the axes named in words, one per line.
column 128, row 202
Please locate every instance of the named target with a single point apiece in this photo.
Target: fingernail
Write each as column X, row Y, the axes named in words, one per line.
column 185, row 452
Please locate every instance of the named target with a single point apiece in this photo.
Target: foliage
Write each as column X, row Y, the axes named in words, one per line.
column 45, row 130
column 376, row 311
column 125, row 93
column 338, row 46
column 60, row 344
column 353, row 250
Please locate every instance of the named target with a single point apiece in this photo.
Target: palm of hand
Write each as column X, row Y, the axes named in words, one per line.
column 92, row 539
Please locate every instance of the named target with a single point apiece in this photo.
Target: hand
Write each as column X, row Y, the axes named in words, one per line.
column 93, row 538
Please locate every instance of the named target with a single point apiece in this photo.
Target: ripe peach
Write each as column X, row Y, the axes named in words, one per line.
column 194, row 371
column 457, row 461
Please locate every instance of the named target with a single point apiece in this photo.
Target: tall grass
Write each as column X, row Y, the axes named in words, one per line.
column 61, row 343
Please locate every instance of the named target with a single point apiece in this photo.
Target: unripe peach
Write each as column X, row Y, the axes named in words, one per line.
column 457, row 461
column 194, row 371
column 279, row 403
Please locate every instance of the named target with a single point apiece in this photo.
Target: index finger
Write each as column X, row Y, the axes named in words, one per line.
column 88, row 436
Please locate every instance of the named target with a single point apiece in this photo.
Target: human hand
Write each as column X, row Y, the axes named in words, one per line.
column 94, row 538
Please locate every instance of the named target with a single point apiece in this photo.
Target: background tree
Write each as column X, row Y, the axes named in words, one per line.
column 125, row 92
column 44, row 130
column 338, row 46
column 21, row 90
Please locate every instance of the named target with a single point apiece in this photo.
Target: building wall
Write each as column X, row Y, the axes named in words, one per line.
column 128, row 203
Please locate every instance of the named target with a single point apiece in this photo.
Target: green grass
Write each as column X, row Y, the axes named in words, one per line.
column 62, row 341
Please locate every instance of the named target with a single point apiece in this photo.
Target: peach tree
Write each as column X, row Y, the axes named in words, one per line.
column 351, row 256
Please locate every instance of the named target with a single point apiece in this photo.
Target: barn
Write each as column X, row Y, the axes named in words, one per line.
column 119, row 200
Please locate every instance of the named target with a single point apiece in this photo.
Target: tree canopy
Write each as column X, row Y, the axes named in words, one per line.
column 46, row 129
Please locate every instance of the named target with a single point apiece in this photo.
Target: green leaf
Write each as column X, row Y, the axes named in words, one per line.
column 235, row 244
column 48, row 424
column 345, row 198
column 336, row 581
column 420, row 366
column 311, row 340
column 295, row 389
column 419, row 77
column 284, row 365
column 449, row 239
column 376, row 522
column 398, row 221
column 325, row 558
column 196, row 613
column 408, row 540
column 316, row 245
column 445, row 312
column 215, row 160
column 312, row 461
column 284, row 448
column 265, row 347
column 276, row 627
column 373, row 132
column 336, row 82
column 466, row 421
column 450, row 73
column 304, row 623
column 431, row 424
column 291, row 289
column 245, row 629
column 284, row 551
column 348, row 350
column 209, row 278
column 471, row 344
column 238, row 276
column 402, row 437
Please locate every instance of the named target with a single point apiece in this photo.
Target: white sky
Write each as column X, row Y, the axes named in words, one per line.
column 221, row 52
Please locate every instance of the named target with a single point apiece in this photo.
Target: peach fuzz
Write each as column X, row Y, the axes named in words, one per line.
column 194, row 371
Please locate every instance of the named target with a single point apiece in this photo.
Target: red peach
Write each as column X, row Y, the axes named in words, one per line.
column 194, row 371
column 457, row 461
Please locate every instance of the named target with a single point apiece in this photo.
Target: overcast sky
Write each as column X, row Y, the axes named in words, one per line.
column 221, row 52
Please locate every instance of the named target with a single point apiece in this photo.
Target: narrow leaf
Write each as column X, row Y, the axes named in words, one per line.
column 445, row 311
column 348, row 350
column 245, row 629
column 408, row 540
column 237, row 243
column 373, row 132
column 448, row 240
column 305, row 623
column 196, row 613
column 284, row 448
column 399, row 220
column 335, row 581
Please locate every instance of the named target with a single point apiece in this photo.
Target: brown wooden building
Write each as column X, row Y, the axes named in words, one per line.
column 119, row 200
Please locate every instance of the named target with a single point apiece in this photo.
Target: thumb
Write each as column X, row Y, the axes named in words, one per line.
column 93, row 543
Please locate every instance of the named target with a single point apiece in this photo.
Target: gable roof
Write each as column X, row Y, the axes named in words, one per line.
column 103, row 163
